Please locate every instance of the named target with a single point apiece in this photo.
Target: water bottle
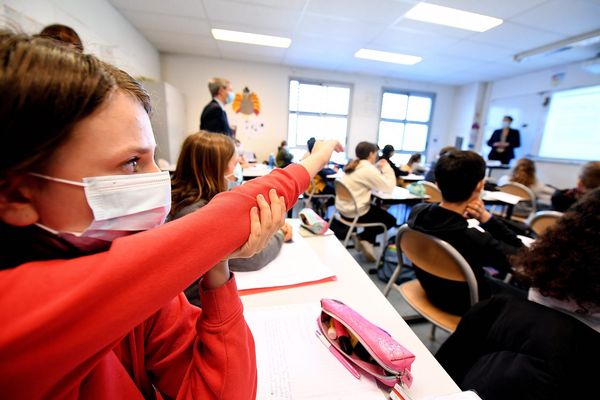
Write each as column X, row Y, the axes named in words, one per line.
column 271, row 160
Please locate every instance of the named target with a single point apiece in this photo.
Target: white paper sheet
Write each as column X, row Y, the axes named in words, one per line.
column 501, row 196
column 296, row 263
column 292, row 362
column 527, row 241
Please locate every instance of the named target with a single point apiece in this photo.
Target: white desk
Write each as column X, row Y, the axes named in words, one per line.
column 256, row 171
column 354, row 288
column 398, row 195
column 412, row 178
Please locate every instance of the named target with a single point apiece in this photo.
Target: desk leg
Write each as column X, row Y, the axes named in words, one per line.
column 509, row 211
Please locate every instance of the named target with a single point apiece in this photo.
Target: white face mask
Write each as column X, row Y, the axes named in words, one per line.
column 238, row 174
column 121, row 204
column 505, row 124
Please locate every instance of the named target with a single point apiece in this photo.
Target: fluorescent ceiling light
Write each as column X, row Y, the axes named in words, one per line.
column 385, row 56
column 251, row 38
column 583, row 40
column 435, row 14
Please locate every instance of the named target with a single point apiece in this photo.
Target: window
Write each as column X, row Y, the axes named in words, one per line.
column 405, row 120
column 319, row 110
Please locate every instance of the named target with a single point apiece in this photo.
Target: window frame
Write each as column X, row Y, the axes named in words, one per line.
column 429, row 123
column 319, row 82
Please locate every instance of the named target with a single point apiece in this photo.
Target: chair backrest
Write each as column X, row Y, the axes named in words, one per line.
column 432, row 190
column 436, row 257
column 543, row 220
column 518, row 190
column 344, row 194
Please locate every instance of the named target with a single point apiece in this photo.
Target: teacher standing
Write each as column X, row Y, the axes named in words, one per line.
column 214, row 117
column 504, row 141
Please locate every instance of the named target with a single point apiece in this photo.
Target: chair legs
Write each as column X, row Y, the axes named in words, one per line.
column 432, row 336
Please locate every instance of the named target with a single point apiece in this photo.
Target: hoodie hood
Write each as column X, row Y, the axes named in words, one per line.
column 432, row 219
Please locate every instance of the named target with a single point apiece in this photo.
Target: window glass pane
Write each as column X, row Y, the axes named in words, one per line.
column 292, row 128
column 321, row 128
column 394, row 106
column 419, row 109
column 337, row 100
column 391, row 133
column 294, row 95
column 400, row 158
column 415, row 137
column 335, row 128
column 310, row 98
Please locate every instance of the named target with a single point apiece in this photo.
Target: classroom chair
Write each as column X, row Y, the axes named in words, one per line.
column 542, row 220
column 345, row 194
column 309, row 195
column 438, row 258
column 434, row 193
column 524, row 193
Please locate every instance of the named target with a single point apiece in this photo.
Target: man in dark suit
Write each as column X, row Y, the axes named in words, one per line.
column 214, row 117
column 504, row 141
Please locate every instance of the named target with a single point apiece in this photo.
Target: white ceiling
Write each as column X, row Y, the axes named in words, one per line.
column 326, row 34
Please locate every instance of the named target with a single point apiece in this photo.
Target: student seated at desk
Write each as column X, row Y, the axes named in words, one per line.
column 386, row 154
column 460, row 177
column 589, row 179
column 206, row 162
column 545, row 347
column 524, row 173
column 283, row 157
column 91, row 280
column 362, row 177
column 413, row 166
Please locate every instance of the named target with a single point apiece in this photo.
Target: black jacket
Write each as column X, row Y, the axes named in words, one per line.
column 480, row 249
column 214, row 119
column 562, row 200
column 397, row 171
column 513, row 139
column 509, row 348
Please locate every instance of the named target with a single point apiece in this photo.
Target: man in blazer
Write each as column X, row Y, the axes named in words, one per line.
column 214, row 117
column 504, row 141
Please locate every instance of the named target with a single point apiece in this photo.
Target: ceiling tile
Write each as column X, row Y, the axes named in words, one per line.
column 231, row 50
column 259, row 18
column 413, row 41
column 169, row 42
column 479, row 51
column 374, row 11
column 571, row 17
column 341, row 29
column 284, row 4
column 167, row 23
column 409, row 24
column 517, row 37
column 186, row 8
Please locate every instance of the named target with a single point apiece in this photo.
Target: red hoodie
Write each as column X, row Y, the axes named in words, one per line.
column 115, row 325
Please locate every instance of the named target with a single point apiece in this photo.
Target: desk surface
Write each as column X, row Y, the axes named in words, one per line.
column 355, row 288
column 399, row 194
column 256, row 171
column 412, row 178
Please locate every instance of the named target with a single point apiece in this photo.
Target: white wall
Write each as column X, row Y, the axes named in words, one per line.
column 190, row 74
column 524, row 92
column 103, row 30
column 467, row 103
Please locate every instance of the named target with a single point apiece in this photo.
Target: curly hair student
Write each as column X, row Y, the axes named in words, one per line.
column 542, row 347
column 91, row 281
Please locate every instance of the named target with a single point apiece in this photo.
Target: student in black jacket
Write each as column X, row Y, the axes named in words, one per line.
column 386, row 154
column 546, row 347
column 460, row 177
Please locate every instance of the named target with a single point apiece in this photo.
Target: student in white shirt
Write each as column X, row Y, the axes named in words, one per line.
column 363, row 175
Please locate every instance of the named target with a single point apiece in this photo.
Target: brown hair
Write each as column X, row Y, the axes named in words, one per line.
column 46, row 90
column 524, row 172
column 363, row 150
column 415, row 158
column 200, row 172
column 63, row 34
column 590, row 175
column 563, row 261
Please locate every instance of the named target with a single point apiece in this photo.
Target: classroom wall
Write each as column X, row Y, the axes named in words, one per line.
column 103, row 30
column 525, row 93
column 467, row 103
column 190, row 75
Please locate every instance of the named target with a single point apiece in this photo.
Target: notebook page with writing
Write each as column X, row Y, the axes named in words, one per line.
column 292, row 362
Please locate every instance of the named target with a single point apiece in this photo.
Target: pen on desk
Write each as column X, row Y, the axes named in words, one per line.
column 337, row 355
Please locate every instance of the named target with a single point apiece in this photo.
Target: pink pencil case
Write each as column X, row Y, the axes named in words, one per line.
column 385, row 359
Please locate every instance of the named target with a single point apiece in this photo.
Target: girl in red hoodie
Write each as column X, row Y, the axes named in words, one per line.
column 89, row 309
